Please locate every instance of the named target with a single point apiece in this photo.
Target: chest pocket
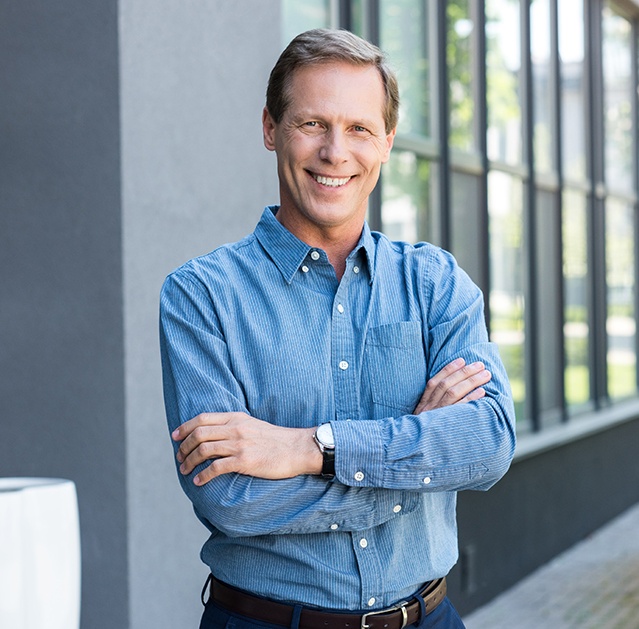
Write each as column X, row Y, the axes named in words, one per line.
column 395, row 364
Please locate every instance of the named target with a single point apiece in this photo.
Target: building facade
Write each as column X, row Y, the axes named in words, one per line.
column 131, row 141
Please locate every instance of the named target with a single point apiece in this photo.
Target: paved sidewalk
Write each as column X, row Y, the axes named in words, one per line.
column 594, row 585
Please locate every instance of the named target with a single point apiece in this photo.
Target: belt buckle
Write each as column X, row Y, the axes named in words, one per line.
column 400, row 606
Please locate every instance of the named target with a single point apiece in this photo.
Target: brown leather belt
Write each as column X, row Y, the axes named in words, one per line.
column 396, row 617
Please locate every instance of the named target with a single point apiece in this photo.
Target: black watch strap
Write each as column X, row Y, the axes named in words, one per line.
column 328, row 463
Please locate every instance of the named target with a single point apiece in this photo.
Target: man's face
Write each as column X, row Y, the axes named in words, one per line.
column 330, row 145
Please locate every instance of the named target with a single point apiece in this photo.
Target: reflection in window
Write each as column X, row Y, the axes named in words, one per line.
column 547, row 307
column 502, row 77
column 542, row 91
column 466, row 228
column 404, row 37
column 407, row 211
column 617, row 47
column 460, row 74
column 576, row 323
column 620, row 323
column 298, row 17
column 505, row 194
column 571, row 52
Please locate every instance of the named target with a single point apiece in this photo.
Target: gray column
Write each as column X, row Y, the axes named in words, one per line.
column 195, row 174
column 129, row 141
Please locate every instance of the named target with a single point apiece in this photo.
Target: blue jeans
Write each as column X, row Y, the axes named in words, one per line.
column 444, row 616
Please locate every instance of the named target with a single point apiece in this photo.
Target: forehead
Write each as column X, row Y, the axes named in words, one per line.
column 337, row 88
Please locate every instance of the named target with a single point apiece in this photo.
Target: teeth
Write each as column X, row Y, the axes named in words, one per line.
column 328, row 181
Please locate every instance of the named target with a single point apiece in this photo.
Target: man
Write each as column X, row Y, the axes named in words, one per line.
column 295, row 364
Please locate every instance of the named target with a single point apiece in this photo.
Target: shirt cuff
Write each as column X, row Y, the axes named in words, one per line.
column 359, row 453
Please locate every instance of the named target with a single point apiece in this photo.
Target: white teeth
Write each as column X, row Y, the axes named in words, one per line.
column 328, row 181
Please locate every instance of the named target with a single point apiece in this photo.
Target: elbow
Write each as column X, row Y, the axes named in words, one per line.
column 501, row 457
column 216, row 512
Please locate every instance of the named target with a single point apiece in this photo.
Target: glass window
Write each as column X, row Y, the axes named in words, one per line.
column 548, row 306
column 618, row 88
column 571, row 52
column 542, row 85
column 298, row 17
column 405, row 38
column 459, row 51
column 505, row 194
column 503, row 64
column 620, row 276
column 407, row 207
column 466, row 229
column 576, row 320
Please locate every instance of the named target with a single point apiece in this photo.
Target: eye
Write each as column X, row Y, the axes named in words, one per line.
column 359, row 129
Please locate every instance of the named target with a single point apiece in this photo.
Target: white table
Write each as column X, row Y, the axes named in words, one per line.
column 39, row 554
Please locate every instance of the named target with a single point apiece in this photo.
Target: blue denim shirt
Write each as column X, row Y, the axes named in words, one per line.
column 264, row 327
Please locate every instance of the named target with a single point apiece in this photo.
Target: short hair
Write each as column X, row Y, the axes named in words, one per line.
column 323, row 45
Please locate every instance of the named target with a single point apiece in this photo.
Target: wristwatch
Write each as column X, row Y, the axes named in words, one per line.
column 324, row 439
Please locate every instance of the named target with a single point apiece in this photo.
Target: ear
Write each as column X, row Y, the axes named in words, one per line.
column 390, row 138
column 268, row 130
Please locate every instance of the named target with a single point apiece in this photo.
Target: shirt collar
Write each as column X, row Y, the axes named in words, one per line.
column 288, row 252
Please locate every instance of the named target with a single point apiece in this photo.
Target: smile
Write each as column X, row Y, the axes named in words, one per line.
column 331, row 181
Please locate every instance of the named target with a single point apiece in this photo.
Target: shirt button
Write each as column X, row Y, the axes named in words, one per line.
column 340, row 308
column 315, row 255
column 359, row 476
column 304, row 269
column 371, row 601
column 397, row 508
column 427, row 480
column 334, row 527
column 355, row 269
column 363, row 542
column 343, row 365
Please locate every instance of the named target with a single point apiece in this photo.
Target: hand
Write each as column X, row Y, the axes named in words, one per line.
column 237, row 442
column 456, row 383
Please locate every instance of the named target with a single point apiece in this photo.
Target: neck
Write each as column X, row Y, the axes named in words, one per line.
column 337, row 241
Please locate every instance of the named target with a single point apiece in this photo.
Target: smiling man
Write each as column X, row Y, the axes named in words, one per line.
column 328, row 391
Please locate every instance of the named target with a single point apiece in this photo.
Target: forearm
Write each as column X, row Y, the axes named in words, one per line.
column 465, row 446
column 238, row 443
column 240, row 505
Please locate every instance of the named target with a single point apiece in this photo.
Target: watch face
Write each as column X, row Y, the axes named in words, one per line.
column 325, row 436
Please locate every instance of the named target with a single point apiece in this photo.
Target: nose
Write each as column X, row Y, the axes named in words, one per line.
column 334, row 149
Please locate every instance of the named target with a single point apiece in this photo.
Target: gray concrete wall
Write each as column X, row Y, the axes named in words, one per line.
column 195, row 174
column 129, row 141
column 61, row 319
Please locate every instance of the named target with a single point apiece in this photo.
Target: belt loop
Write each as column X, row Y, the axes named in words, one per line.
column 422, row 609
column 295, row 620
column 206, row 586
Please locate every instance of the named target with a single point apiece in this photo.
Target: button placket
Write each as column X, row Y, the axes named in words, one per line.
column 369, row 562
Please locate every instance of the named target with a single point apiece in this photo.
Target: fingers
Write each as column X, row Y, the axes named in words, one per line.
column 455, row 383
column 477, row 394
column 215, row 469
column 203, row 419
column 203, row 444
column 203, row 438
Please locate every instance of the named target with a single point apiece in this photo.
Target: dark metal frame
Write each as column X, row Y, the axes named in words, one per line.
column 595, row 189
